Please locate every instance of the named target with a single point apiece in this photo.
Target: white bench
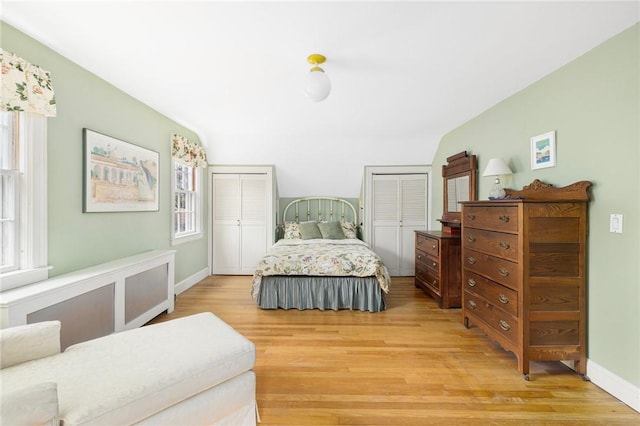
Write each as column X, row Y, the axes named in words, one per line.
column 192, row 370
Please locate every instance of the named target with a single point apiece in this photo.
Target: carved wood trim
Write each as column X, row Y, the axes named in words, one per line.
column 538, row 190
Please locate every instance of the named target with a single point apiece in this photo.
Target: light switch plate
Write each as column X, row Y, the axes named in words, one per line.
column 615, row 223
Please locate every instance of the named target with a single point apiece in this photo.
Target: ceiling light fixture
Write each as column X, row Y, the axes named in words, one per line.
column 318, row 85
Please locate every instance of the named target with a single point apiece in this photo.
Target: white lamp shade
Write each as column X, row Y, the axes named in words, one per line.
column 496, row 167
column 317, row 86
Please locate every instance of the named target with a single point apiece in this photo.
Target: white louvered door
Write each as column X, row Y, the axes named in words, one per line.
column 386, row 218
column 239, row 222
column 226, row 216
column 253, row 210
column 399, row 207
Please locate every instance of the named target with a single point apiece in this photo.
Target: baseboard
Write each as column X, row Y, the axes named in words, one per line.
column 189, row 282
column 615, row 385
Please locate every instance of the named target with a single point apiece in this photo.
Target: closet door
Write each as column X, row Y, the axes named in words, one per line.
column 226, row 223
column 253, row 223
column 399, row 207
column 239, row 222
column 413, row 217
column 386, row 220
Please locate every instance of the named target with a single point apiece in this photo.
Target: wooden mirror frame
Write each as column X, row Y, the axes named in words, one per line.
column 460, row 168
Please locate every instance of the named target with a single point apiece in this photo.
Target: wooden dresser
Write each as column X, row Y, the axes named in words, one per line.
column 437, row 261
column 523, row 272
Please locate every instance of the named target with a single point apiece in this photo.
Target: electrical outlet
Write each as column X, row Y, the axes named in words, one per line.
column 615, row 223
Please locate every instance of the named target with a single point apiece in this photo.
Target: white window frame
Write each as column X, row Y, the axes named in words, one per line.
column 196, row 233
column 32, row 204
column 11, row 216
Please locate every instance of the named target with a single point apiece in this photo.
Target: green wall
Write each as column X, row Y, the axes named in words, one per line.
column 78, row 240
column 593, row 104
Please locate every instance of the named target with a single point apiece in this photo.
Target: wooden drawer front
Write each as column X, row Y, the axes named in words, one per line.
column 500, row 296
column 496, row 243
column 428, row 277
column 428, row 245
column 498, row 320
column 433, row 265
column 494, row 218
column 428, row 261
column 494, row 268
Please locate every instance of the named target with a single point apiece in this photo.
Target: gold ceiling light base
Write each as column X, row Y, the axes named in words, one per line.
column 316, row 59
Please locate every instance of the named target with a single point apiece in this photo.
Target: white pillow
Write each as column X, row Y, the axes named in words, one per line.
column 33, row 405
column 28, row 342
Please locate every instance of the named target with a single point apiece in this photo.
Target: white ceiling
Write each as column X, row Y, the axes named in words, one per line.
column 403, row 73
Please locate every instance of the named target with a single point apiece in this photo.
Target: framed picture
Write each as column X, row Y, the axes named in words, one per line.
column 543, row 150
column 118, row 176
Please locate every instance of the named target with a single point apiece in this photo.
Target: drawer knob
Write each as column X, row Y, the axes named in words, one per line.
column 503, row 272
column 471, row 238
column 503, row 298
column 505, row 245
column 472, row 304
column 419, row 257
column 504, row 325
column 433, row 246
column 471, row 282
column 471, row 260
column 471, row 216
column 504, row 218
column 434, row 264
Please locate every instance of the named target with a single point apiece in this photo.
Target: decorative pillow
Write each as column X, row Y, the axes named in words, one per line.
column 309, row 230
column 33, row 405
column 28, row 342
column 331, row 230
column 349, row 229
column 292, row 231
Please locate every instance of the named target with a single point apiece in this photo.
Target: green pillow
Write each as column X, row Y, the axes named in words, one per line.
column 309, row 230
column 331, row 230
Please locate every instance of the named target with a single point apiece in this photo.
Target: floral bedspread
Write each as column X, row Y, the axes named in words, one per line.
column 348, row 257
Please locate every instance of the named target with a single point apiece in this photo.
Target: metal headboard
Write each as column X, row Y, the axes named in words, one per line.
column 329, row 209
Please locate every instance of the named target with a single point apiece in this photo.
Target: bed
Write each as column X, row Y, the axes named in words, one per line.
column 319, row 262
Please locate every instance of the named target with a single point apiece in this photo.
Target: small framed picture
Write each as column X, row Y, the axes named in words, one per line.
column 543, row 150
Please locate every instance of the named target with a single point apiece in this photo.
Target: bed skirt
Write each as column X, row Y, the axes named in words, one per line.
column 303, row 292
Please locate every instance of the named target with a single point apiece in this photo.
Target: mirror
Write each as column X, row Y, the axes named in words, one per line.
column 459, row 184
column 457, row 191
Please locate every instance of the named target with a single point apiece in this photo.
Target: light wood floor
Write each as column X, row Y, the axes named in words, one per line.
column 413, row 364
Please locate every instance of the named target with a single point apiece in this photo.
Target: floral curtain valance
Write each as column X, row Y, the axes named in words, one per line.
column 187, row 152
column 25, row 87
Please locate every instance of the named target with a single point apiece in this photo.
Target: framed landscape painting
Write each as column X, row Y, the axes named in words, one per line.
column 543, row 150
column 118, row 176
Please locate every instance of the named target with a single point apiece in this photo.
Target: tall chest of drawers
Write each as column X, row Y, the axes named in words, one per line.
column 437, row 263
column 523, row 273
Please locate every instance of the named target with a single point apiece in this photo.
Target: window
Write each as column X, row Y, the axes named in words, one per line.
column 10, row 193
column 23, row 214
column 187, row 211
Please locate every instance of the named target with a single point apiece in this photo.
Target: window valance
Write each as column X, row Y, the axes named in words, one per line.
column 188, row 152
column 25, row 87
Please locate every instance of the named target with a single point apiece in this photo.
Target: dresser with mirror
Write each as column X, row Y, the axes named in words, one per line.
column 437, row 253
